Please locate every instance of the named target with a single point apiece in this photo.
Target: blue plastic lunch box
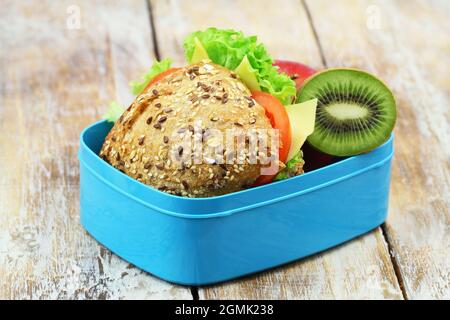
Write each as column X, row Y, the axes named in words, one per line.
column 208, row 240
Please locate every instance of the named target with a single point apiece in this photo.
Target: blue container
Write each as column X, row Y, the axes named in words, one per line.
column 208, row 240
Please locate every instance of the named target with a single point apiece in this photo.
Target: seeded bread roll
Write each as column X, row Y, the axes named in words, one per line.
column 187, row 104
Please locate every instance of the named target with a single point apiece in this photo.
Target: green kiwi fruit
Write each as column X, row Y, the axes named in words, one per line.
column 356, row 112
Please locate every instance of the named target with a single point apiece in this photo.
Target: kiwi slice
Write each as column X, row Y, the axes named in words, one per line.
column 355, row 113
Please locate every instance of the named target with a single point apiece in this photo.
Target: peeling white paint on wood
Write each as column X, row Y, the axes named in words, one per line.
column 360, row 269
column 55, row 81
column 410, row 51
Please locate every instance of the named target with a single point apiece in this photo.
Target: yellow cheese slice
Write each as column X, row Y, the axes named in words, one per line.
column 247, row 74
column 199, row 53
column 302, row 117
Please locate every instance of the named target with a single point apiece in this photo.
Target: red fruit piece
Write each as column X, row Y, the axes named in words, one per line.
column 315, row 159
column 297, row 71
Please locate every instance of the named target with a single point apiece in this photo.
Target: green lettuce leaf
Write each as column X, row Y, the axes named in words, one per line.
column 294, row 167
column 114, row 112
column 158, row 67
column 228, row 47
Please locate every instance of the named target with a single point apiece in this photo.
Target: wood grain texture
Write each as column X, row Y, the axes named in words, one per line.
column 359, row 269
column 407, row 45
column 53, row 82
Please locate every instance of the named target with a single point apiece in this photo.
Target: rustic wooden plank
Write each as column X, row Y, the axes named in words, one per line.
column 176, row 19
column 359, row 269
column 53, row 82
column 407, row 44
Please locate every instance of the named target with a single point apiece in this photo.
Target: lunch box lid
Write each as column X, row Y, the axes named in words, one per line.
column 92, row 138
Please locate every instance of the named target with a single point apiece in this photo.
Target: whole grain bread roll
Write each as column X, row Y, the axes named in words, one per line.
column 193, row 104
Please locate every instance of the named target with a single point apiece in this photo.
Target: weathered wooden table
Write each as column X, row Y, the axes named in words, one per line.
column 58, row 74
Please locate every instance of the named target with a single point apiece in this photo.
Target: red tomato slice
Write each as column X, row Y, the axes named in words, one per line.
column 161, row 76
column 279, row 119
column 262, row 180
column 298, row 71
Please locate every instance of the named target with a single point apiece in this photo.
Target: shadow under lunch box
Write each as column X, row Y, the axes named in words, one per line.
column 206, row 240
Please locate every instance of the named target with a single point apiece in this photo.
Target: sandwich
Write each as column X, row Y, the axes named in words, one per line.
column 226, row 121
column 233, row 118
